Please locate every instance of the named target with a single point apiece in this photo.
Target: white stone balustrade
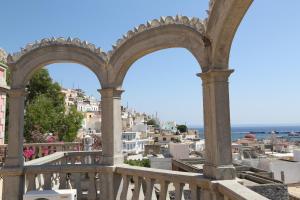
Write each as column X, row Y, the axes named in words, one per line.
column 68, row 169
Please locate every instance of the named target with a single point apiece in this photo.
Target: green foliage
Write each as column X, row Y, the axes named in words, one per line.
column 139, row 163
column 71, row 124
column 42, row 114
column 41, row 83
column 182, row 128
column 151, row 122
column 45, row 109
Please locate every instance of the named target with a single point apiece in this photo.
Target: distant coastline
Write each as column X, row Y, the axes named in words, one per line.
column 263, row 131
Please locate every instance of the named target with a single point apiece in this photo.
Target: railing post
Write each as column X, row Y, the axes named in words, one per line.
column 13, row 186
column 111, row 140
column 109, row 185
column 217, row 130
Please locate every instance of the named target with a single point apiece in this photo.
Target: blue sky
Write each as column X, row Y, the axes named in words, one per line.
column 265, row 55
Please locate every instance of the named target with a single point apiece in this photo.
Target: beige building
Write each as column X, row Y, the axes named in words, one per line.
column 92, row 122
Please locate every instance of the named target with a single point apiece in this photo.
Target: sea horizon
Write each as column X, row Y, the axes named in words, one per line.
column 261, row 131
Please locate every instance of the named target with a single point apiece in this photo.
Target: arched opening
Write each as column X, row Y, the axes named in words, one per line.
column 79, row 86
column 164, row 89
column 61, row 106
column 24, row 66
column 263, row 97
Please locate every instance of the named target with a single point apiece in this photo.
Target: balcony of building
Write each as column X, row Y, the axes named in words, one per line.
column 92, row 180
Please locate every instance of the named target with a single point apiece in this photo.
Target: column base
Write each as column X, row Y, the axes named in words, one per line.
column 112, row 160
column 222, row 172
column 13, row 187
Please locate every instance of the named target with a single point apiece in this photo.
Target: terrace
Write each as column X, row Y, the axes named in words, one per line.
column 102, row 174
column 93, row 180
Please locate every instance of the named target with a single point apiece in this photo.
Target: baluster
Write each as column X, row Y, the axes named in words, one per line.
column 55, row 178
column 59, row 147
column 31, row 182
column 194, row 191
column 91, row 159
column 34, row 152
column 62, row 181
column 39, row 178
column 47, row 182
column 206, row 194
column 82, row 159
column 124, row 187
column 149, row 188
column 137, row 187
column 163, row 190
column 40, row 154
column 92, row 192
column 51, row 149
column 78, row 185
column 178, row 190
column 73, row 159
column 226, row 198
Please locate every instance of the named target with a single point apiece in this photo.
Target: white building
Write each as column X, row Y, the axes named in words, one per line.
column 169, row 126
column 89, row 104
column 160, row 162
column 140, row 128
column 134, row 142
column 199, row 145
column 179, row 150
column 287, row 170
column 92, row 122
column 296, row 155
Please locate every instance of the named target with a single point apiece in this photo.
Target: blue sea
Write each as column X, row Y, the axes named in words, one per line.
column 261, row 132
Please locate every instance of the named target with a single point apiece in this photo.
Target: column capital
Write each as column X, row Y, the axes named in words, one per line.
column 216, row 75
column 17, row 92
column 111, row 92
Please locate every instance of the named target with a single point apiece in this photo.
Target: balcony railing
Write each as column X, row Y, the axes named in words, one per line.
column 82, row 171
column 38, row 150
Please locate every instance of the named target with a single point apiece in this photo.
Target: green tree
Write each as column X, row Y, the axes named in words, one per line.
column 182, row 128
column 41, row 83
column 42, row 114
column 45, row 109
column 71, row 124
column 151, row 122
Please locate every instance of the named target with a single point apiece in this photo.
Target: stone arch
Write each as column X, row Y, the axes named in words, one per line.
column 223, row 20
column 167, row 32
column 56, row 50
column 26, row 62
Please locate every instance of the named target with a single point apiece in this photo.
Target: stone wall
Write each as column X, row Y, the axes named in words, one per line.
column 272, row 191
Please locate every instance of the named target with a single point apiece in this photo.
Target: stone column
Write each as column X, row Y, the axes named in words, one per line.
column 217, row 129
column 111, row 139
column 111, row 126
column 13, row 186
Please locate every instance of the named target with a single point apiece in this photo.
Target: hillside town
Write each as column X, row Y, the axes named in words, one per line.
column 169, row 146
column 211, row 85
